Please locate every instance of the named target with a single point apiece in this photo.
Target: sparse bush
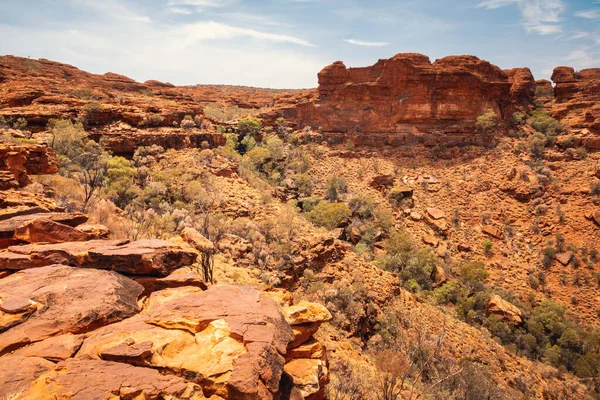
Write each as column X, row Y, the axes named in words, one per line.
column 473, row 274
column 542, row 122
column 548, row 256
column 92, row 113
column 487, row 122
column 487, row 245
column 188, row 122
column 329, row 215
column 362, row 206
column 249, row 126
column 153, row 120
column 335, row 188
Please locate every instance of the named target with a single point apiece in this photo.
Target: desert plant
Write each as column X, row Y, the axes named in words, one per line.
column 329, row 215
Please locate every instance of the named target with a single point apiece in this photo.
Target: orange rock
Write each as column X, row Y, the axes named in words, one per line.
column 564, row 258
column 435, row 213
column 507, row 311
column 43, row 230
column 492, row 231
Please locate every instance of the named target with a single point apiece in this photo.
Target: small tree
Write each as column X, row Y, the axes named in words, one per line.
column 487, row 122
column 335, row 187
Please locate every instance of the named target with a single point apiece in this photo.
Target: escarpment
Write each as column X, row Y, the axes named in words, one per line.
column 577, row 102
column 408, row 99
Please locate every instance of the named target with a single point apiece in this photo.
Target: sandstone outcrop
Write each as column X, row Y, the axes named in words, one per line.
column 577, row 102
column 408, row 99
column 145, row 257
column 17, row 162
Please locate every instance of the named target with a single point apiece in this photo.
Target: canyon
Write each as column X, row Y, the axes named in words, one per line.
column 350, row 228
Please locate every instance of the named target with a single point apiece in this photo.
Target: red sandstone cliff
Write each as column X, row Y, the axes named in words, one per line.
column 577, row 102
column 408, row 98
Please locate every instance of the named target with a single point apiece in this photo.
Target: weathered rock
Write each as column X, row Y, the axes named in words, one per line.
column 306, row 312
column 312, row 348
column 96, row 379
column 44, row 230
column 492, row 231
column 250, row 317
column 407, row 99
column 67, row 300
column 523, row 87
column 508, row 312
column 435, row 213
column 430, row 240
column 17, row 202
column 94, row 231
column 55, row 349
column 144, row 257
column 174, row 280
column 9, row 226
column 383, row 181
column 577, row 102
column 24, row 160
column 197, row 240
column 564, row 258
column 309, row 375
column 17, row 373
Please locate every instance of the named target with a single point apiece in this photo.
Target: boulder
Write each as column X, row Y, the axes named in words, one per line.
column 44, row 230
column 507, row 311
column 383, row 181
column 249, row 317
column 24, row 160
column 306, row 312
column 564, row 258
column 309, row 375
column 492, row 231
column 65, row 300
column 97, row 379
column 94, row 231
column 435, row 213
column 145, row 257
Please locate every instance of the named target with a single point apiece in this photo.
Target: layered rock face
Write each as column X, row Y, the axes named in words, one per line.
column 577, row 102
column 407, row 99
column 41, row 90
column 17, row 162
column 85, row 317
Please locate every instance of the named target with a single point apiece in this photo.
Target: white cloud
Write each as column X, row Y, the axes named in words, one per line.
column 211, row 30
column 540, row 16
column 580, row 35
column 366, row 44
column 493, row 4
column 589, row 14
column 179, row 10
column 183, row 54
column 583, row 58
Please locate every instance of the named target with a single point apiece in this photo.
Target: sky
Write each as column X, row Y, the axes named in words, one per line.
column 285, row 43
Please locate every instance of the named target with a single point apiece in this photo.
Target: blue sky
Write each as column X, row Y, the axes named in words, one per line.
column 284, row 43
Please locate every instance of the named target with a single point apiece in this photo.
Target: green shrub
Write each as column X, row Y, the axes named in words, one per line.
column 249, row 126
column 362, row 206
column 329, row 215
column 120, row 175
column 474, row 275
column 487, row 245
column 335, row 187
column 487, row 122
column 542, row 122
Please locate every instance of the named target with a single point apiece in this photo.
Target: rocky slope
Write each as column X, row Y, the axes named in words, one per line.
column 85, row 317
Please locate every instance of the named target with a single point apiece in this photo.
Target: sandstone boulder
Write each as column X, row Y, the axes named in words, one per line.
column 435, row 213
column 564, row 258
column 44, row 230
column 96, row 379
column 66, row 300
column 492, row 231
column 144, row 257
column 247, row 316
column 17, row 374
column 507, row 311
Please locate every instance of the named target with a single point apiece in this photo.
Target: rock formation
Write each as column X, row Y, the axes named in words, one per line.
column 17, row 162
column 409, row 99
column 577, row 103
column 82, row 317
